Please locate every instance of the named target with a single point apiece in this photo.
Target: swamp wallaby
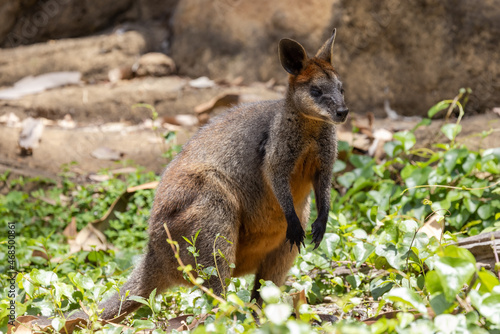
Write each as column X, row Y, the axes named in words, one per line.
column 247, row 176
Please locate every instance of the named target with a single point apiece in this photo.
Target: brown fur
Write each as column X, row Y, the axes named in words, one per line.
column 248, row 176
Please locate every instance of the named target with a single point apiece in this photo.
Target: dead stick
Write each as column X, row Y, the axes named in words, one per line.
column 494, row 246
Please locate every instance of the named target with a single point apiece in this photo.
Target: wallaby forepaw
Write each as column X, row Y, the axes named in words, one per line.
column 295, row 237
column 318, row 232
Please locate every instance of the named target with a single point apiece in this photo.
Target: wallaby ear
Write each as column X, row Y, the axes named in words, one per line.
column 326, row 51
column 293, row 57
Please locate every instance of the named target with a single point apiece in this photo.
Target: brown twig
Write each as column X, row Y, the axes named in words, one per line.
column 192, row 279
column 495, row 253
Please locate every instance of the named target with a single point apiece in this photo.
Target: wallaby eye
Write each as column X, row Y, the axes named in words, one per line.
column 316, row 91
column 342, row 91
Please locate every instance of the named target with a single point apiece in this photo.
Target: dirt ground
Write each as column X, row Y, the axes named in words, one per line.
column 139, row 144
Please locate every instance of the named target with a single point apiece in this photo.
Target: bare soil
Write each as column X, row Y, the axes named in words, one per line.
column 141, row 144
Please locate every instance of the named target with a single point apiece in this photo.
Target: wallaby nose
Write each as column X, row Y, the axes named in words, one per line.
column 342, row 112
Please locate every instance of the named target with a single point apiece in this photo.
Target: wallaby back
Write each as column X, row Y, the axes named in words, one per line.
column 247, row 175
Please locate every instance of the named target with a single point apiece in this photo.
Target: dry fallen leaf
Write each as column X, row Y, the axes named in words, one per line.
column 88, row 239
column 181, row 120
column 120, row 205
column 106, row 153
column 222, row 100
column 202, row 82
column 10, row 120
column 434, row 227
column 32, row 85
column 31, row 135
column 22, row 325
column 70, row 231
column 299, row 298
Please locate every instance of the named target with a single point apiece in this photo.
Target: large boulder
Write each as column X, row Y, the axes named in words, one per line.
column 410, row 53
column 93, row 56
column 30, row 21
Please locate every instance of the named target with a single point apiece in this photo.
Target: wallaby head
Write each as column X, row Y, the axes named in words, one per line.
column 314, row 86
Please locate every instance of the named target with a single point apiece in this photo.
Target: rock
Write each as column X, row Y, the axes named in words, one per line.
column 92, row 56
column 411, row 53
column 29, row 21
column 154, row 64
column 101, row 102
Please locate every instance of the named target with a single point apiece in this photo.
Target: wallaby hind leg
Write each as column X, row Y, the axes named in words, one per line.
column 274, row 268
column 224, row 256
column 217, row 221
column 278, row 262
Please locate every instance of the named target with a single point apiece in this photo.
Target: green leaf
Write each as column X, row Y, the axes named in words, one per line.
column 454, row 195
column 360, row 161
column 140, row 325
column 406, row 138
column 423, row 122
column 417, row 176
column 110, row 329
column 440, row 305
column 459, row 253
column 485, row 211
column 339, row 166
column 489, row 306
column 83, row 282
column 278, row 313
column 448, row 323
column 441, row 206
column 392, row 148
column 433, row 283
column 408, row 226
column 270, row 294
column 347, row 179
column 469, row 162
column 362, row 250
column 342, row 145
column 491, row 167
column 451, row 130
column 492, row 151
column 417, row 240
column 452, row 158
column 408, row 297
column 471, row 204
column 27, row 285
column 58, row 323
column 396, row 257
column 453, row 273
column 477, row 186
column 329, row 244
column 139, row 299
column 380, row 286
column 488, row 281
column 43, row 277
column 233, row 298
column 437, row 108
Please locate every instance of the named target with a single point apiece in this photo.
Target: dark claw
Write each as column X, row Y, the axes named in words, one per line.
column 318, row 231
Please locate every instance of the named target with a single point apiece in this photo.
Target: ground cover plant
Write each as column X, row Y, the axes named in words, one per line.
column 373, row 259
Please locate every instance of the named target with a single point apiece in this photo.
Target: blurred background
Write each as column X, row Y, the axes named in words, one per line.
column 98, row 78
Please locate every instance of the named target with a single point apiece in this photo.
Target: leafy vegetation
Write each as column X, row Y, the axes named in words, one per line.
column 377, row 210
